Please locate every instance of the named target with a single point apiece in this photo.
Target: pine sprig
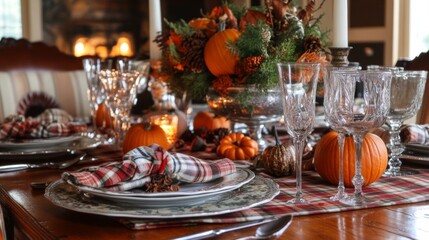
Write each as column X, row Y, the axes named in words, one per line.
column 181, row 28
column 194, row 84
column 252, row 41
column 267, row 77
column 173, row 52
column 237, row 10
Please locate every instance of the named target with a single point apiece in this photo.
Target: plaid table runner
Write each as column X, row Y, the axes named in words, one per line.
column 386, row 191
column 140, row 164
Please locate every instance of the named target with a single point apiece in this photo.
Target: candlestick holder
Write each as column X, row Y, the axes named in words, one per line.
column 340, row 56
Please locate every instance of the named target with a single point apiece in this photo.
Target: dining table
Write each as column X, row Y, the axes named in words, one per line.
column 30, row 215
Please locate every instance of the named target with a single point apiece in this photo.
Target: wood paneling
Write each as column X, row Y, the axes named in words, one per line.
column 367, row 13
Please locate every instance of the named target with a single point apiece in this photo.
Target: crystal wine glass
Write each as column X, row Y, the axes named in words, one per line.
column 135, row 74
column 329, row 105
column 298, row 83
column 405, row 100
column 118, row 96
column 96, row 96
column 360, row 115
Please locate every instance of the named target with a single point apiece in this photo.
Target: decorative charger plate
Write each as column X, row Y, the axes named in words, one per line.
column 258, row 191
column 79, row 143
column 228, row 182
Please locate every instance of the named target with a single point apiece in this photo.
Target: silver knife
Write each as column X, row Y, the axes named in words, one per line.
column 57, row 164
column 14, row 167
column 217, row 232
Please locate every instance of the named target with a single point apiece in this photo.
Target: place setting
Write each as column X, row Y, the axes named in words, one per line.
column 51, row 135
column 223, row 189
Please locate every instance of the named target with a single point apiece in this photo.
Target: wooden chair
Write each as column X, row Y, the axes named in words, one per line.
column 421, row 62
column 34, row 67
column 26, row 67
column 22, row 54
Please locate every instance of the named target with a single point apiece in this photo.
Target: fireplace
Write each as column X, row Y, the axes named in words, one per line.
column 109, row 28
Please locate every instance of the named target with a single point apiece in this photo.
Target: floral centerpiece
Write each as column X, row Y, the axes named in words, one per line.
column 234, row 46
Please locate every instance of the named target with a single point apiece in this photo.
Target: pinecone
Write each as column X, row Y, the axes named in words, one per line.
column 219, row 134
column 193, row 55
column 249, row 65
column 312, row 44
column 222, row 83
column 161, row 39
column 161, row 183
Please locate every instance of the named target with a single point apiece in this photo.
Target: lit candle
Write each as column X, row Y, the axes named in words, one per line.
column 155, row 28
column 340, row 24
column 168, row 123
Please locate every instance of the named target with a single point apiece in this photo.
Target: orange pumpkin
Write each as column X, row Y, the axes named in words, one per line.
column 210, row 122
column 237, row 146
column 217, row 56
column 144, row 134
column 102, row 117
column 374, row 158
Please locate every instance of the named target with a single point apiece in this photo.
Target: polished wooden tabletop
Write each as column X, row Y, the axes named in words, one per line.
column 35, row 217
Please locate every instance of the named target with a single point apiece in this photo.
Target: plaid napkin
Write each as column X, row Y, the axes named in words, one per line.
column 50, row 123
column 409, row 133
column 414, row 133
column 141, row 163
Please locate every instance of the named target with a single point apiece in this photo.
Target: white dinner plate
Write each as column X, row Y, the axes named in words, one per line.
column 414, row 159
column 189, row 194
column 79, row 143
column 258, row 191
column 35, row 144
column 417, row 148
column 228, row 182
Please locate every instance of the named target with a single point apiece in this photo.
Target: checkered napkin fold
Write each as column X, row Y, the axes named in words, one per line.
column 409, row 133
column 52, row 122
column 139, row 164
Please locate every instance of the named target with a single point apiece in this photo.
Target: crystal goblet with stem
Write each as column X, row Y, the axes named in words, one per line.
column 360, row 115
column 329, row 105
column 298, row 83
column 96, row 96
column 405, row 100
column 119, row 95
column 135, row 74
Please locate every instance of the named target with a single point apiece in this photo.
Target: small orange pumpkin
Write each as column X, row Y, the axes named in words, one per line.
column 102, row 117
column 237, row 146
column 144, row 134
column 217, row 56
column 374, row 158
column 210, row 122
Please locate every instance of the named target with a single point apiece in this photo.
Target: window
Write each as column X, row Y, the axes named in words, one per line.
column 10, row 18
column 419, row 32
